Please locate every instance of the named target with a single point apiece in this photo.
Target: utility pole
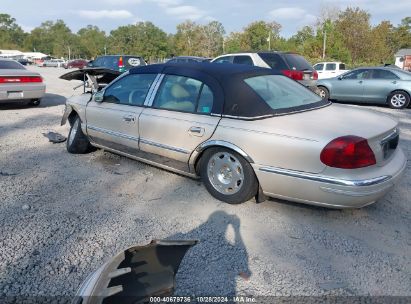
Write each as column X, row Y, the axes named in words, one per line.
column 324, row 41
column 269, row 40
column 223, row 45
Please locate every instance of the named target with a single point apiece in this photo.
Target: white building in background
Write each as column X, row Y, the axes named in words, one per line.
column 12, row 54
column 401, row 56
column 34, row 55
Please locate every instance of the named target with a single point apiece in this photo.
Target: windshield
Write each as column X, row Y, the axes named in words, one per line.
column 297, row 62
column 280, row 92
column 6, row 64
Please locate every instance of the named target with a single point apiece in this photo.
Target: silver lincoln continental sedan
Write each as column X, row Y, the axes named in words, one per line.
column 246, row 131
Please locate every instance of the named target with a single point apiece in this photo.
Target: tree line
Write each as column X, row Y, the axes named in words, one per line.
column 344, row 35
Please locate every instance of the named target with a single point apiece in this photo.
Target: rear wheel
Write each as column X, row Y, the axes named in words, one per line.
column 398, row 100
column 77, row 142
column 228, row 176
column 323, row 92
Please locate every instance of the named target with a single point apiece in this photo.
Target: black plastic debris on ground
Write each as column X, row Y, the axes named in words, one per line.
column 54, row 137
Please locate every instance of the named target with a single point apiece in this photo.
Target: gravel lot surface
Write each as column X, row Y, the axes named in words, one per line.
column 63, row 215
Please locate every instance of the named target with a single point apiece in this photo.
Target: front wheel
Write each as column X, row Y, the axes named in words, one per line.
column 228, row 176
column 398, row 100
column 77, row 142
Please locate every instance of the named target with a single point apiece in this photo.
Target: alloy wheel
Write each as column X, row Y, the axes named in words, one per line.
column 398, row 100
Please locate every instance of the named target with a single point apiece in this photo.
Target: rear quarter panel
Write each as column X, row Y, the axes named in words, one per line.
column 268, row 148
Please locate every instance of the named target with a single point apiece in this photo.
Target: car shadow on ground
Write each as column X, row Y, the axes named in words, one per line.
column 220, row 256
column 49, row 100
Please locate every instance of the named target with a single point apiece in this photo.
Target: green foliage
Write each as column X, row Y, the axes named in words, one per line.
column 143, row 38
column 348, row 36
column 11, row 35
column 92, row 42
column 52, row 38
column 192, row 39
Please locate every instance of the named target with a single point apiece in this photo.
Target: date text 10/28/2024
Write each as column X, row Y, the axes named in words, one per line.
column 195, row 299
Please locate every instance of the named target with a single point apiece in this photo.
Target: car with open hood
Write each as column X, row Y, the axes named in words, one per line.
column 246, row 131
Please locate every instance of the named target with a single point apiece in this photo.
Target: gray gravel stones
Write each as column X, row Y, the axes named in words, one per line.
column 63, row 215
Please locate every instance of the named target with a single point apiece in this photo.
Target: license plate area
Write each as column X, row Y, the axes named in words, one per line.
column 15, row 95
column 307, row 76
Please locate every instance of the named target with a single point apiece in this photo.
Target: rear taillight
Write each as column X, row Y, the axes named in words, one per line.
column 296, row 75
column 348, row 152
column 315, row 75
column 120, row 62
column 20, row 79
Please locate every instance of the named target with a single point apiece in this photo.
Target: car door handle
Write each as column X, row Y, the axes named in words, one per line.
column 196, row 131
column 360, row 81
column 394, row 82
column 129, row 118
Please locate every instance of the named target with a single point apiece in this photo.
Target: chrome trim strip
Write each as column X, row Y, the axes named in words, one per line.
column 129, row 137
column 154, row 91
column 165, row 167
column 274, row 115
column 150, row 91
column 327, row 179
column 171, row 148
column 223, row 143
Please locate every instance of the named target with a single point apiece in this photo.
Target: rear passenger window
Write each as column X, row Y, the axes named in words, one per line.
column 382, row 74
column 330, row 67
column 183, row 94
column 205, row 102
column 342, row 66
column 243, row 60
column 130, row 90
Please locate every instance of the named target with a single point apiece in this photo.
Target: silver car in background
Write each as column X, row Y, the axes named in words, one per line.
column 375, row 85
column 17, row 83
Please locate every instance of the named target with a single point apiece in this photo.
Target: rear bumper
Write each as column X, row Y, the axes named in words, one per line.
column 20, row 92
column 329, row 191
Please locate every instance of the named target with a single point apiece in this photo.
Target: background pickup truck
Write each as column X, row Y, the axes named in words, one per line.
column 329, row 69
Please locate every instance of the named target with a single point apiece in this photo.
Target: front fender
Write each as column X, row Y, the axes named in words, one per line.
column 67, row 112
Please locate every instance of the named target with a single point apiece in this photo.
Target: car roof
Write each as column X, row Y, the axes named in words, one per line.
column 119, row 56
column 189, row 57
column 216, row 70
column 232, row 95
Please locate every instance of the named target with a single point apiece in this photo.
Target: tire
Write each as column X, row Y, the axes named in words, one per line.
column 323, row 92
column 398, row 100
column 77, row 142
column 216, row 169
column 35, row 102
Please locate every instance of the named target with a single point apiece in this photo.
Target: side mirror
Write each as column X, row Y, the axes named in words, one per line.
column 90, row 63
column 340, row 78
column 99, row 96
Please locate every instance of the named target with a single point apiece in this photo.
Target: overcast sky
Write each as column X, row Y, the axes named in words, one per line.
column 234, row 14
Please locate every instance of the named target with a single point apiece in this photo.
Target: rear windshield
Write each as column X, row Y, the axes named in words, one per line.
column 111, row 62
column 132, row 61
column 404, row 75
column 281, row 92
column 274, row 61
column 5, row 64
column 297, row 62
